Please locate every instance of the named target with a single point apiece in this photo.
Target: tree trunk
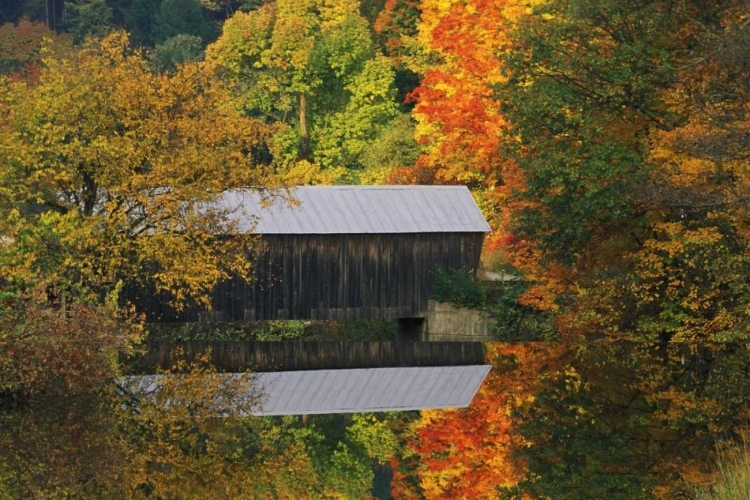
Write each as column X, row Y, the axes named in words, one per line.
column 304, row 149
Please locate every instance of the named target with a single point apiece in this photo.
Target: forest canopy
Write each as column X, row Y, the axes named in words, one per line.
column 605, row 141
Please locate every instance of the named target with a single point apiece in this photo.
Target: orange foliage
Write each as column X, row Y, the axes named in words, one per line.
column 460, row 124
column 20, row 47
column 416, row 174
column 467, row 453
column 458, row 117
column 547, row 280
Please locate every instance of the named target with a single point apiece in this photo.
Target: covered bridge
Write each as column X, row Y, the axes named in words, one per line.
column 349, row 252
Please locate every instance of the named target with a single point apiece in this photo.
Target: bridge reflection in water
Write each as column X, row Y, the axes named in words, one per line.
column 309, row 377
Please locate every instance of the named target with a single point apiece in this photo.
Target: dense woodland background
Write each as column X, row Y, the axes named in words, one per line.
column 606, row 141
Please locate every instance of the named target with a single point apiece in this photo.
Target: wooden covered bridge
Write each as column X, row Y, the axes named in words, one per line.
column 346, row 252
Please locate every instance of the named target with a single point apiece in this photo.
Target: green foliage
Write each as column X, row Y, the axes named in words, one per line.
column 350, row 448
column 513, row 321
column 313, row 70
column 182, row 17
column 356, row 330
column 89, row 18
column 631, row 420
column 577, row 98
column 280, row 330
column 621, row 210
column 138, row 17
column 177, row 50
column 347, row 474
column 375, row 435
column 576, row 454
column 199, row 331
column 394, row 147
column 458, row 286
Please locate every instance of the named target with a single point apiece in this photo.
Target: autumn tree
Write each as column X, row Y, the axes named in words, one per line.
column 75, row 427
column 21, row 46
column 622, row 420
column 107, row 169
column 312, row 71
column 395, row 24
column 470, row 452
column 617, row 159
column 456, row 53
column 57, row 365
column 187, row 432
column 624, row 209
column 631, row 420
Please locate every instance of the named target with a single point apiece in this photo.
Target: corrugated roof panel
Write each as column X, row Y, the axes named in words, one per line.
column 345, row 209
column 428, row 217
column 307, row 217
column 354, row 217
column 387, row 383
column 271, row 384
column 355, row 390
column 454, row 389
column 264, row 383
column 326, row 211
column 384, row 389
column 404, row 392
column 351, row 211
column 359, row 209
column 291, row 390
column 328, row 396
column 466, row 221
column 344, row 387
column 376, row 220
column 454, row 206
column 367, row 383
column 429, row 384
column 315, row 391
column 437, row 386
column 409, row 211
column 459, row 391
column 426, row 210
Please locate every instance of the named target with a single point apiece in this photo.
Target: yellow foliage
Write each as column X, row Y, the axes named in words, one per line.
column 110, row 167
column 304, row 173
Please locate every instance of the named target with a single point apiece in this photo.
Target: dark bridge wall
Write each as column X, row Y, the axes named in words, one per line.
column 304, row 355
column 335, row 277
column 349, row 276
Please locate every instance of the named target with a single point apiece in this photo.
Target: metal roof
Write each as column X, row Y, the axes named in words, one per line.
column 357, row 209
column 357, row 390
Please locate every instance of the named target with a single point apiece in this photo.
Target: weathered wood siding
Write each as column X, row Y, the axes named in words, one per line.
column 334, row 277
column 337, row 277
column 306, row 355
